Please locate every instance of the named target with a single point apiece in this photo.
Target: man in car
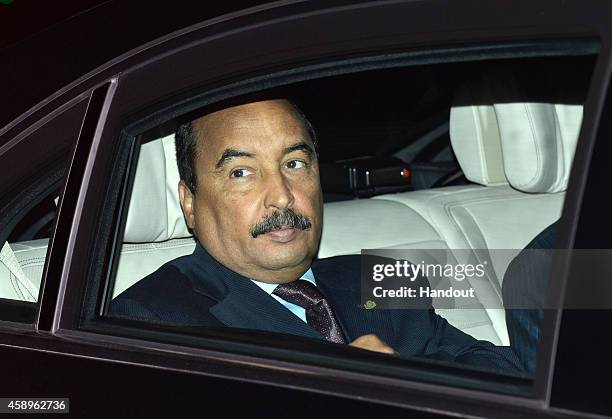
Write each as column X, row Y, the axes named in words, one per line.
column 250, row 191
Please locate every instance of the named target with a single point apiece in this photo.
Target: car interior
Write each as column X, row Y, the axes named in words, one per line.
column 462, row 156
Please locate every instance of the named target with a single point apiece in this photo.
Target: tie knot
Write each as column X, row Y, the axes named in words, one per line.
column 300, row 292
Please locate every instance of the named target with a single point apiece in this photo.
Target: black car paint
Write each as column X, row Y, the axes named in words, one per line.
column 100, row 377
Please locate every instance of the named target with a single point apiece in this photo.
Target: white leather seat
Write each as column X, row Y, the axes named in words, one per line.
column 155, row 231
column 519, row 155
column 350, row 226
column 21, row 267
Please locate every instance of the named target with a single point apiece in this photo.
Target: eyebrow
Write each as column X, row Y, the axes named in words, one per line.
column 301, row 146
column 230, row 153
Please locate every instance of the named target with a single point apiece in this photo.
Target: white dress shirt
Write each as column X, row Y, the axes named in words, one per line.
column 294, row 308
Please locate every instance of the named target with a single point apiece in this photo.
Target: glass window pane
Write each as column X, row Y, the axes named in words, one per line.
column 397, row 212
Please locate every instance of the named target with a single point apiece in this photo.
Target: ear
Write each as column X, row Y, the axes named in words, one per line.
column 186, row 198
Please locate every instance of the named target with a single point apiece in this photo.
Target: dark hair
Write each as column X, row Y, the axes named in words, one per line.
column 185, row 141
column 186, row 147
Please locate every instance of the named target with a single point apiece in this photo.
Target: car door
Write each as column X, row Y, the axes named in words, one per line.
column 72, row 348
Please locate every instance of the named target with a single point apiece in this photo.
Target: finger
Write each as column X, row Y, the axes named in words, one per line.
column 372, row 342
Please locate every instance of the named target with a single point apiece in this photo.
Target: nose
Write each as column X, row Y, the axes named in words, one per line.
column 278, row 193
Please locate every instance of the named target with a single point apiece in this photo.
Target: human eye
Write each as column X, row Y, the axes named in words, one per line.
column 240, row 173
column 296, row 164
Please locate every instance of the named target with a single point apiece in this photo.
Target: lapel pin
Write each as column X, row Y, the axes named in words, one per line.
column 369, row 305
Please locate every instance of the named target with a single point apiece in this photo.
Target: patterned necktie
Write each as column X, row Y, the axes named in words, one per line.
column 319, row 314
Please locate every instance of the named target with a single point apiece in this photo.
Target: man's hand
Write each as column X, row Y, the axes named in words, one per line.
column 371, row 342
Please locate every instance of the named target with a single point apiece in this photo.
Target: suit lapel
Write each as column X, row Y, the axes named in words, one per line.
column 341, row 288
column 248, row 306
column 354, row 319
column 241, row 303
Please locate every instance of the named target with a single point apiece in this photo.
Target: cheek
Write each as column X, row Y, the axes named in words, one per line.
column 233, row 212
column 311, row 198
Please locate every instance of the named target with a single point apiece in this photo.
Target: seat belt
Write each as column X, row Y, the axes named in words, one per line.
column 23, row 286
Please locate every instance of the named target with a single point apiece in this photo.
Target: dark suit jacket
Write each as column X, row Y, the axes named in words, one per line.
column 524, row 292
column 196, row 290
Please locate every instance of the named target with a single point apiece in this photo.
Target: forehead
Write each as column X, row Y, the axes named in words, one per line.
column 267, row 125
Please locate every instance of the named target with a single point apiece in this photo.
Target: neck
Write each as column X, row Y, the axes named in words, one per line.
column 270, row 276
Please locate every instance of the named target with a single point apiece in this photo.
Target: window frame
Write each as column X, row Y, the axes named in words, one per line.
column 66, row 312
column 49, row 176
column 579, row 231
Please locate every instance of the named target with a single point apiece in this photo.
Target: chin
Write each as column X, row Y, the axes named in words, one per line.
column 281, row 260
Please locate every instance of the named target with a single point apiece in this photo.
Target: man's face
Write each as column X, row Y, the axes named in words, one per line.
column 258, row 204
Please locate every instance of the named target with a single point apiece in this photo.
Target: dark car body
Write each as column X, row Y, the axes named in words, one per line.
column 103, row 70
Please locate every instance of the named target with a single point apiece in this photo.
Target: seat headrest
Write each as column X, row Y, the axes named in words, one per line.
column 154, row 213
column 538, row 144
column 474, row 135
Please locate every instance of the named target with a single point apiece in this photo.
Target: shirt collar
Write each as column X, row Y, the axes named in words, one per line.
column 269, row 288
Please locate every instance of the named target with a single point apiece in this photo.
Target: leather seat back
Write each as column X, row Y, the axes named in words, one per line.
column 519, row 155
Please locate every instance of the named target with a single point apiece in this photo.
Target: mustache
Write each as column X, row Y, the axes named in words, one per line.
column 279, row 219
